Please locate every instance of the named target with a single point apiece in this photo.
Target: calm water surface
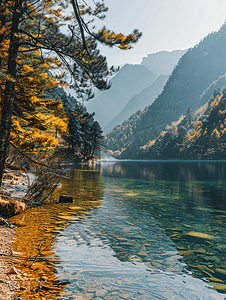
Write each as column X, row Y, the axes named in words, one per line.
column 136, row 230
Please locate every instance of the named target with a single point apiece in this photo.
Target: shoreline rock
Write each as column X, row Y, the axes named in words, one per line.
column 9, row 208
column 13, row 189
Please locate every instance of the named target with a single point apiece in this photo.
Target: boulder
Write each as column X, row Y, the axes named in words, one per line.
column 10, row 208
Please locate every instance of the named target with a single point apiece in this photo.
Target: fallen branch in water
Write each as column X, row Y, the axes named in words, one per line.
column 43, row 186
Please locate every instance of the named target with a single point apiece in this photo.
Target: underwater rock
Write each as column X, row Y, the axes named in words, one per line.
column 65, row 199
column 200, row 235
column 142, row 254
column 101, row 293
column 221, row 248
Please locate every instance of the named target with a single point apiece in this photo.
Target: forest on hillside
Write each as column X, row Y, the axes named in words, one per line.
column 191, row 83
column 197, row 135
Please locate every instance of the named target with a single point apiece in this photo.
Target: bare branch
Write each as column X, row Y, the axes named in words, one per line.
column 32, row 160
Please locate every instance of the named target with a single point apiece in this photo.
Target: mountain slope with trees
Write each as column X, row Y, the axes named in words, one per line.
column 130, row 80
column 199, row 135
column 196, row 70
column 138, row 102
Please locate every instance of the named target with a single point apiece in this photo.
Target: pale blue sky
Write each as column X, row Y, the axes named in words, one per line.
column 166, row 25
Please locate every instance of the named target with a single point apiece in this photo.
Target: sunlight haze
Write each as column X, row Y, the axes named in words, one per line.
column 165, row 24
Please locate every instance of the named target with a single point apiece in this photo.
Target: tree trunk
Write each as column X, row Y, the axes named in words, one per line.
column 93, row 148
column 9, row 91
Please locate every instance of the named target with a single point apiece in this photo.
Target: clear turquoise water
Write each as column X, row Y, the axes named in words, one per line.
column 148, row 230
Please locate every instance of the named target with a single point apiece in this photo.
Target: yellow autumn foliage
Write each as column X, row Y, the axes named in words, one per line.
column 215, row 133
column 40, row 119
column 41, row 47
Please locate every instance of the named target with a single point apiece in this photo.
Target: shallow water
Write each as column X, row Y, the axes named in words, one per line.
column 137, row 230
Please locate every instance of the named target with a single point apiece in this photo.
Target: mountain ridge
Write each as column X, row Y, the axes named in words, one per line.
column 195, row 71
column 199, row 135
column 138, row 102
column 130, row 80
column 162, row 62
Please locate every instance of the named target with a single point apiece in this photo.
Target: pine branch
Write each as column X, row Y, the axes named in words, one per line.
column 32, row 160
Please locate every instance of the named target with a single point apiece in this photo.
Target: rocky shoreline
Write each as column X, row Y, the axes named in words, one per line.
column 14, row 187
column 9, row 276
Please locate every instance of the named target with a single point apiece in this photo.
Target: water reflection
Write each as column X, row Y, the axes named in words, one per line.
column 165, row 170
column 38, row 228
column 196, row 227
column 137, row 230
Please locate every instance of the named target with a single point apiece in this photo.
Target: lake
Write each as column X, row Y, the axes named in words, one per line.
column 136, row 230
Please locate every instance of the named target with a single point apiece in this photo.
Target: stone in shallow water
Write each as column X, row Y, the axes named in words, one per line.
column 101, row 293
column 68, row 218
column 88, row 296
column 200, row 250
column 200, row 235
column 142, row 254
column 125, row 296
column 141, row 292
column 76, row 208
column 79, row 295
column 90, row 290
column 186, row 253
column 126, row 244
column 221, row 248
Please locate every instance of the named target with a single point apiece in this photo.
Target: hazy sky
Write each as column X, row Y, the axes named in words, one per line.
column 165, row 24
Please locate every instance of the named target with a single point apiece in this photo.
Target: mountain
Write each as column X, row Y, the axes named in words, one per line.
column 130, row 80
column 201, row 135
column 194, row 73
column 218, row 84
column 162, row 62
column 138, row 102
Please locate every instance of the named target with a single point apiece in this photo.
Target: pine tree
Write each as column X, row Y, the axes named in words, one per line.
column 97, row 137
column 34, row 27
